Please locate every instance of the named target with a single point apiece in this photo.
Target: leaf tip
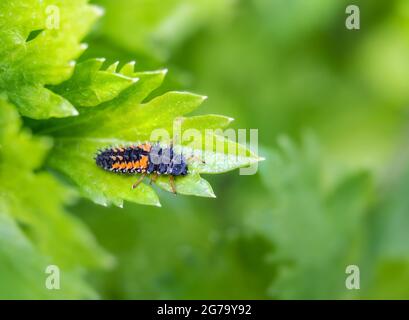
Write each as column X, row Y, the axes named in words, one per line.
column 112, row 68
column 103, row 203
column 164, row 71
column 99, row 11
column 83, row 46
column 74, row 112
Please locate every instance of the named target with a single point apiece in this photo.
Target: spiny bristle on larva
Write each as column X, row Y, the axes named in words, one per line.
column 127, row 157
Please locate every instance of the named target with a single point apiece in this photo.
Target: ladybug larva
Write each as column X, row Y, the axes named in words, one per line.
column 146, row 158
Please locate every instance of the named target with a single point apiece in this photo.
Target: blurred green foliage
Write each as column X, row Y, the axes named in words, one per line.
column 331, row 107
column 282, row 67
column 35, row 201
column 28, row 65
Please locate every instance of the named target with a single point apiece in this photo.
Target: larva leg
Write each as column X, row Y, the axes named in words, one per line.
column 153, row 178
column 172, row 184
column 139, row 181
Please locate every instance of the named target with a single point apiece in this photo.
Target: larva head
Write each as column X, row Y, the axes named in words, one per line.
column 179, row 166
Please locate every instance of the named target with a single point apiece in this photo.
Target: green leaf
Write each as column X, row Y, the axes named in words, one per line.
column 28, row 63
column 42, row 229
column 90, row 86
column 128, row 119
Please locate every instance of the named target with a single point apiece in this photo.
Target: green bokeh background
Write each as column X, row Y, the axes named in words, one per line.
column 331, row 108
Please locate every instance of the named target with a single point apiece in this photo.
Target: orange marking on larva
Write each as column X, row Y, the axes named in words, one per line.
column 136, row 164
column 129, row 165
column 115, row 165
column 143, row 162
column 145, row 147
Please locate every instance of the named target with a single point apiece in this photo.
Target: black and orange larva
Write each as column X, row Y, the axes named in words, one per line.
column 145, row 158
